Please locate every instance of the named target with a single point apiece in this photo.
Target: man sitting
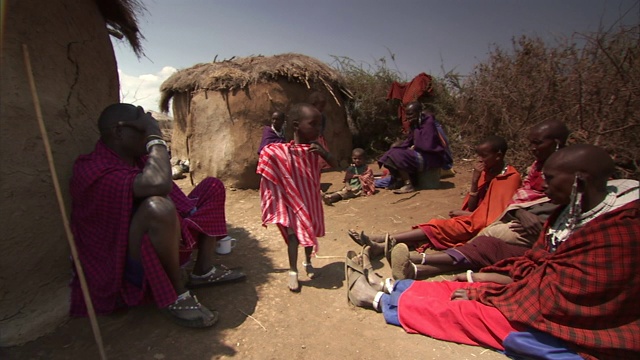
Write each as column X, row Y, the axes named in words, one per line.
column 575, row 291
column 422, row 149
column 134, row 227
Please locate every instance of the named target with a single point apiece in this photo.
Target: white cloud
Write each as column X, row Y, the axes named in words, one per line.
column 143, row 90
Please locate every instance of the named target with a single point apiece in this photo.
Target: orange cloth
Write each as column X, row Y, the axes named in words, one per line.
column 447, row 233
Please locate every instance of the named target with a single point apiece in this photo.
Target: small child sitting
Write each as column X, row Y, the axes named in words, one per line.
column 358, row 180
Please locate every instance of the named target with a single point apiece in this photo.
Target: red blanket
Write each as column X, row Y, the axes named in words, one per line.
column 585, row 293
column 408, row 92
column 102, row 207
column 290, row 191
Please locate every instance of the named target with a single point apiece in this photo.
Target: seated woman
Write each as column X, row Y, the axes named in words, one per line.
column 511, row 235
column 579, row 283
column 422, row 149
column 495, row 187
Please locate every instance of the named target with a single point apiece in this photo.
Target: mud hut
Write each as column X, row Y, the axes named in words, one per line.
column 76, row 76
column 219, row 109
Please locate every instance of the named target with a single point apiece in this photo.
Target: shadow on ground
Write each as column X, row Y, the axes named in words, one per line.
column 156, row 336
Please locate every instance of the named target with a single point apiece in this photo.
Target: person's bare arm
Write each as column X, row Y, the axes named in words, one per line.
column 155, row 178
column 316, row 147
column 486, row 277
column 472, row 204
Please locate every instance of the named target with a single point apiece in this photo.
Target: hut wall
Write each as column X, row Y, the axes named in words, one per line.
column 223, row 129
column 75, row 72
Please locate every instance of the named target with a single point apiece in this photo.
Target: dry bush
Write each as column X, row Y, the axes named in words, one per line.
column 591, row 82
column 373, row 120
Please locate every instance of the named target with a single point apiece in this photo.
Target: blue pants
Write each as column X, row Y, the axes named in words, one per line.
column 389, row 302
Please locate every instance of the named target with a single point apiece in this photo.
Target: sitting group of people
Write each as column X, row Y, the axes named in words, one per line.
column 551, row 260
column 549, row 266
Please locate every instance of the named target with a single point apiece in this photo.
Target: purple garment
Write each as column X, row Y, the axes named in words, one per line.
column 269, row 136
column 428, row 151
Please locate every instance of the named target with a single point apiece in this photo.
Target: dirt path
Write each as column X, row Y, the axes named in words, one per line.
column 260, row 318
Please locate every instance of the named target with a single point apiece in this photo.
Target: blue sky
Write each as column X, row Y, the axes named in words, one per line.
column 424, row 35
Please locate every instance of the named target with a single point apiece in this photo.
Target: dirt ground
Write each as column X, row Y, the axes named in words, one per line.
column 260, row 318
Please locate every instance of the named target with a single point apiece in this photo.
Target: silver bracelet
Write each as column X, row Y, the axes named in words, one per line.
column 469, row 276
column 156, row 142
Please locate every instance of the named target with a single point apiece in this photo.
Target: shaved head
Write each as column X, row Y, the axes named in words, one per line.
column 414, row 105
column 115, row 113
column 588, row 161
column 554, row 129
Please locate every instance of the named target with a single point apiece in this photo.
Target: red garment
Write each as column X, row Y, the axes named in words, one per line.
column 408, row 92
column 365, row 178
column 446, row 233
column 586, row 293
column 290, row 191
column 426, row 308
column 102, row 207
column 532, row 186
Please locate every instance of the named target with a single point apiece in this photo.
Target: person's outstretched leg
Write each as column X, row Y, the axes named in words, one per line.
column 377, row 241
column 156, row 216
column 422, row 266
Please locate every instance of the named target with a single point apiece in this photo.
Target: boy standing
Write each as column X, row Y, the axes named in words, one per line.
column 290, row 187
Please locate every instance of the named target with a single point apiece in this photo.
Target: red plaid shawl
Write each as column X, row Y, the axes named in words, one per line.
column 102, row 205
column 585, row 293
column 290, row 190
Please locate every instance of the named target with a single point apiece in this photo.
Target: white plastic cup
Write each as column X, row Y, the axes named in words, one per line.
column 225, row 245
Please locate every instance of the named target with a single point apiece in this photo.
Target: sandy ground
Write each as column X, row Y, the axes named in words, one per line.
column 260, row 318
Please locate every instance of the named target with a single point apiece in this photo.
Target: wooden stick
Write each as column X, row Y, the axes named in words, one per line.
column 65, row 220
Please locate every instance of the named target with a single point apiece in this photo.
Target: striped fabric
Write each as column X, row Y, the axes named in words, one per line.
column 290, row 191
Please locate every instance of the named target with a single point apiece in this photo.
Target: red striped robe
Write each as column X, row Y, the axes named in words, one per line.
column 290, row 191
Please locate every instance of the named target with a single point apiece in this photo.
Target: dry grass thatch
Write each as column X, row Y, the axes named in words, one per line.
column 239, row 73
column 122, row 16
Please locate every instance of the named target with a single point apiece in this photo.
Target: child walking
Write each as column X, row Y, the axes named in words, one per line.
column 358, row 180
column 290, row 188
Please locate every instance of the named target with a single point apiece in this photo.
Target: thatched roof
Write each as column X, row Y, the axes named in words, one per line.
column 238, row 73
column 121, row 17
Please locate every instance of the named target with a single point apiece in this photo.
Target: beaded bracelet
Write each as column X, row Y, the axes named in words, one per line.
column 469, row 276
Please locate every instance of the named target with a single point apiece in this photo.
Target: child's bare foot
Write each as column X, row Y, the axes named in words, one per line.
column 311, row 272
column 294, row 286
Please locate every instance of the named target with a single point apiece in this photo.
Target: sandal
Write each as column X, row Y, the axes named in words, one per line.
column 219, row 274
column 187, row 311
column 371, row 276
column 352, row 277
column 389, row 243
column 362, row 239
column 401, row 265
column 350, row 262
column 406, row 189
